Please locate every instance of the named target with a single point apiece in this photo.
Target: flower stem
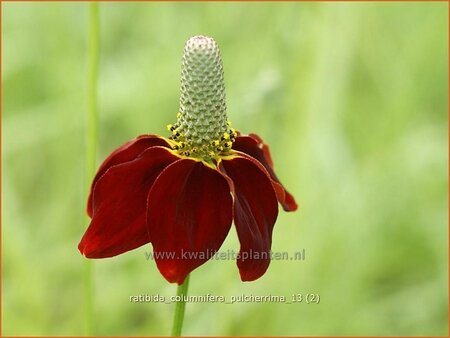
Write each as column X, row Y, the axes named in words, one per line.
column 178, row 318
column 91, row 146
column 92, row 115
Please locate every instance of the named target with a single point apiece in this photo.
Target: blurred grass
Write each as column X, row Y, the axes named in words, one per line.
column 352, row 99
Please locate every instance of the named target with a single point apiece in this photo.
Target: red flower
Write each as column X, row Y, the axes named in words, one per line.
column 181, row 194
column 145, row 192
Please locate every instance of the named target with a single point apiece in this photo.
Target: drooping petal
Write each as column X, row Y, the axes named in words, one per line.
column 127, row 152
column 279, row 189
column 120, row 203
column 189, row 215
column 254, row 146
column 255, row 213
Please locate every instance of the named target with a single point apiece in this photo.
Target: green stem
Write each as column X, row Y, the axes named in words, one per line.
column 92, row 115
column 91, row 146
column 88, row 299
column 178, row 318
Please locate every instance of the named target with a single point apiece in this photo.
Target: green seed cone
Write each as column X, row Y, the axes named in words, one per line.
column 202, row 128
column 203, row 116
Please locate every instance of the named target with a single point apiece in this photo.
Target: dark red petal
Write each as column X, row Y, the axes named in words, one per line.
column 189, row 215
column 255, row 213
column 279, row 190
column 127, row 152
column 254, row 146
column 119, row 205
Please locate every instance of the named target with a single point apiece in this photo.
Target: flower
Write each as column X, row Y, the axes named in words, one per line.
column 182, row 193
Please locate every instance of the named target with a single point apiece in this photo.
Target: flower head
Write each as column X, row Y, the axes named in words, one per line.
column 182, row 193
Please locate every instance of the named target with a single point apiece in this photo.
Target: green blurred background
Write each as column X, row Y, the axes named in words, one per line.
column 352, row 99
